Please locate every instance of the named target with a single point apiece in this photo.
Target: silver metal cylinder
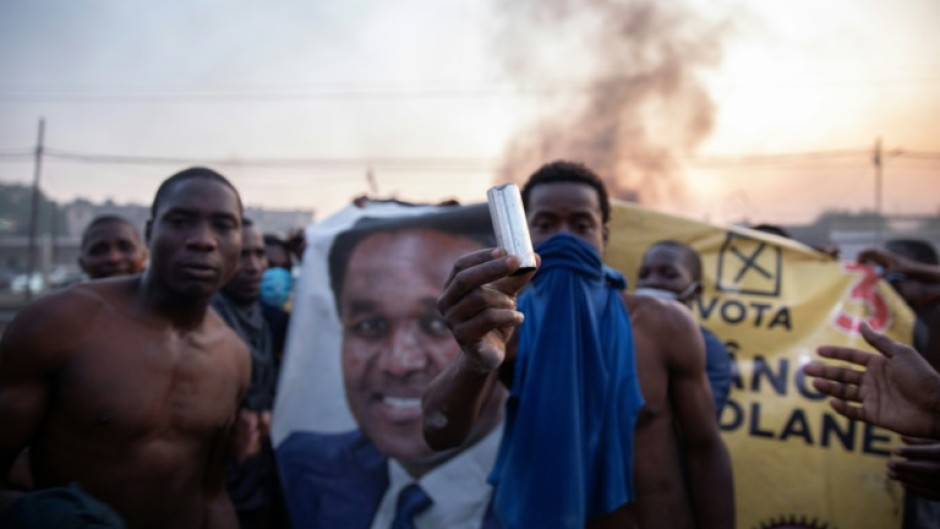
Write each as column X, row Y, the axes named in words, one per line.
column 510, row 225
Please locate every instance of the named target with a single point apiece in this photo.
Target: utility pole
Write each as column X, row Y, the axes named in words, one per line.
column 54, row 232
column 373, row 184
column 877, row 160
column 34, row 212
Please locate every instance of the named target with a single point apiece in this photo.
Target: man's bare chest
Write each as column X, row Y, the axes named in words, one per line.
column 148, row 389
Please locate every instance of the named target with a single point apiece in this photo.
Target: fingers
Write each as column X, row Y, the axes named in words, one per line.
column 513, row 284
column 847, row 354
column 919, row 440
column 828, row 375
column 845, row 392
column 852, row 412
column 921, row 452
column 924, row 477
column 470, row 330
column 481, row 268
column 475, row 270
column 882, row 343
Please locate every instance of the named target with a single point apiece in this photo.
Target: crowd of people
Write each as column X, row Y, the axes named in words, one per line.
column 143, row 397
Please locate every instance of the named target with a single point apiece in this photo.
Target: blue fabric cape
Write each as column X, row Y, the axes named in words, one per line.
column 567, row 450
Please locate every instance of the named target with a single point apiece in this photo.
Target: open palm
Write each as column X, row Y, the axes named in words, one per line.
column 898, row 389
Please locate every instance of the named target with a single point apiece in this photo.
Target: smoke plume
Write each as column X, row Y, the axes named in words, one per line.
column 643, row 103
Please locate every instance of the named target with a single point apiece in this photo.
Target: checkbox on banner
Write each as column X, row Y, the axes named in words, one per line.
column 749, row 266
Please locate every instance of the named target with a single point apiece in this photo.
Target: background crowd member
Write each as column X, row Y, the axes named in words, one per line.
column 673, row 270
column 386, row 277
column 567, row 202
column 277, row 251
column 111, row 247
column 126, row 390
column 252, row 482
column 277, row 288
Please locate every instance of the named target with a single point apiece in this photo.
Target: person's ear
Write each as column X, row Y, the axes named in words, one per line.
column 605, row 236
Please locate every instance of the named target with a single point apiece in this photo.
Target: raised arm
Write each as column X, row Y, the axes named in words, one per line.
column 894, row 263
column 897, row 390
column 711, row 482
column 478, row 304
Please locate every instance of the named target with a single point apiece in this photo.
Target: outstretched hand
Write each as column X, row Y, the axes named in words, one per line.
column 898, row 389
column 479, row 305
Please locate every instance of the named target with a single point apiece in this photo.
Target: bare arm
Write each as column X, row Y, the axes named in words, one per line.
column 898, row 389
column 478, row 304
column 29, row 354
column 893, row 262
column 711, row 482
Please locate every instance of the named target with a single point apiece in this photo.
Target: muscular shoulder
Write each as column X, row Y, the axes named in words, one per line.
column 661, row 315
column 56, row 320
column 41, row 336
column 667, row 326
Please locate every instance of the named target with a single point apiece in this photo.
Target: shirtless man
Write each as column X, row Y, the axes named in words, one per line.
column 478, row 304
column 111, row 247
column 129, row 387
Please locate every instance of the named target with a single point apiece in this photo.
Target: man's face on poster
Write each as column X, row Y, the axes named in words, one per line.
column 395, row 341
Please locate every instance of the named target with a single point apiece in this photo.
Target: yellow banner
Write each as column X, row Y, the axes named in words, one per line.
column 773, row 301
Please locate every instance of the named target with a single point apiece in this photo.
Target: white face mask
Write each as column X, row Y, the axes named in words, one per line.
column 665, row 294
column 656, row 293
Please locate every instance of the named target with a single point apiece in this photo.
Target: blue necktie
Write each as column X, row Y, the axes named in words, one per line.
column 412, row 500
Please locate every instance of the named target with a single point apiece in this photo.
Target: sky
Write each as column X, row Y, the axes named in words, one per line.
column 720, row 110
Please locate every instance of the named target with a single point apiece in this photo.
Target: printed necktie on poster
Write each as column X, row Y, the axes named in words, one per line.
column 412, row 501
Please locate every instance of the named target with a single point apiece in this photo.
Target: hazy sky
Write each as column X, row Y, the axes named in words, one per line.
column 430, row 96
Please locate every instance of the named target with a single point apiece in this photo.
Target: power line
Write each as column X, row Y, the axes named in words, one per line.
column 537, row 88
column 787, row 160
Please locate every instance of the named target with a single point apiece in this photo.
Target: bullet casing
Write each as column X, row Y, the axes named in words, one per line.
column 510, row 225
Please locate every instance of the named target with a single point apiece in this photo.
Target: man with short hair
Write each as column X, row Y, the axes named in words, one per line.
column 253, row 483
column 125, row 391
column 111, row 247
column 277, row 251
column 386, row 277
column 673, row 270
column 567, row 212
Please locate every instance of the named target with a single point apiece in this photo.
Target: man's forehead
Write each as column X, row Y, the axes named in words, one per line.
column 669, row 254
column 575, row 196
column 411, row 242
column 252, row 238
column 200, row 195
column 110, row 230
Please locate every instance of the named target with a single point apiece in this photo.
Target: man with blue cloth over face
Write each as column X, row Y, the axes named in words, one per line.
column 610, row 422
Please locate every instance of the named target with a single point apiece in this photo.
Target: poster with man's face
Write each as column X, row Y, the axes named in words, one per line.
column 366, row 340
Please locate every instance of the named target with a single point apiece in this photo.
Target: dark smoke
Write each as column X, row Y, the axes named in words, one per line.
column 644, row 103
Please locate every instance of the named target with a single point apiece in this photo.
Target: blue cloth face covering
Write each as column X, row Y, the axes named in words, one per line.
column 567, row 450
column 276, row 285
